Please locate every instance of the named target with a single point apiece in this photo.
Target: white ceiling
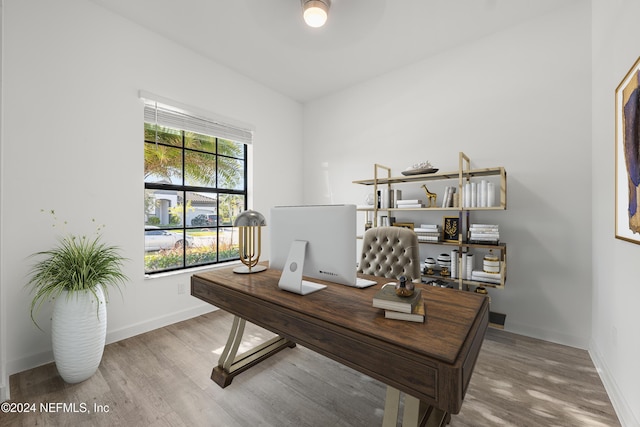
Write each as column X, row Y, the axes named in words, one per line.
column 268, row 41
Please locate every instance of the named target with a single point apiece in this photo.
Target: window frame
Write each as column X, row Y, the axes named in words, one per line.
column 182, row 190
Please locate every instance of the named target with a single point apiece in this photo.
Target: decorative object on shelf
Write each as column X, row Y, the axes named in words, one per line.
column 491, row 263
column 249, row 225
column 627, row 161
column 76, row 275
column 404, row 288
column 369, row 199
column 444, row 261
column 429, row 265
column 419, row 169
column 431, row 197
column 450, row 228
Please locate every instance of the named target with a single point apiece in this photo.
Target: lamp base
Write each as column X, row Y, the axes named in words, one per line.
column 245, row 270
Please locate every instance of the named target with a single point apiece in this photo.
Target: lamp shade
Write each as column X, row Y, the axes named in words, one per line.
column 249, row 225
column 315, row 12
column 250, row 218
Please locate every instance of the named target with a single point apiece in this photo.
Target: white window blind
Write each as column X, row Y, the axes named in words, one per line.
column 172, row 114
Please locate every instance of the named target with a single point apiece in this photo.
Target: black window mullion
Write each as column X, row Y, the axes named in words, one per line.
column 181, row 190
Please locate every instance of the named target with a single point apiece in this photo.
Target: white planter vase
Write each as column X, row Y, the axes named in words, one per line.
column 78, row 332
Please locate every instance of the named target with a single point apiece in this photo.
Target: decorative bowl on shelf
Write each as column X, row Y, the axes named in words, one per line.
column 419, row 169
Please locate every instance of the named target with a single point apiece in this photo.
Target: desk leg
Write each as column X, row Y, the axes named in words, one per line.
column 416, row 413
column 391, row 407
column 230, row 364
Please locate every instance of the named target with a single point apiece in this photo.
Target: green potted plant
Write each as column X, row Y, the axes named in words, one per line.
column 76, row 275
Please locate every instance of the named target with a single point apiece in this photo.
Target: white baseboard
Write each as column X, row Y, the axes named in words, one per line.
column 43, row 358
column 620, row 404
column 546, row 335
column 158, row 322
column 29, row 362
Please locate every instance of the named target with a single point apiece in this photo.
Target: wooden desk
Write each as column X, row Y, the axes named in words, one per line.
column 431, row 361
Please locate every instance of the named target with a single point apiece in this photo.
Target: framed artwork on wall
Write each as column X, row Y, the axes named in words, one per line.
column 627, row 167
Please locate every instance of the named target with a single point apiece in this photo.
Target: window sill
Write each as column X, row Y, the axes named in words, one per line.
column 191, row 270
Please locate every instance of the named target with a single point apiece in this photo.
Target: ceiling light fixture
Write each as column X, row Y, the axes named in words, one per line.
column 315, row 12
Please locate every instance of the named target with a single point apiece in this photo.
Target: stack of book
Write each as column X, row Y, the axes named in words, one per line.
column 410, row 203
column 484, row 233
column 483, row 276
column 388, row 198
column 428, row 233
column 449, row 198
column 410, row 308
column 479, row 195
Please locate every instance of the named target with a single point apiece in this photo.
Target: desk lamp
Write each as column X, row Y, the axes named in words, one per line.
column 249, row 223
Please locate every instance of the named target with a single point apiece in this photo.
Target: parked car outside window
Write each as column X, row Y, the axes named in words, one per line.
column 156, row 239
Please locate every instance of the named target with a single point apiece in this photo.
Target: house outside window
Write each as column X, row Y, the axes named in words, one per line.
column 195, row 186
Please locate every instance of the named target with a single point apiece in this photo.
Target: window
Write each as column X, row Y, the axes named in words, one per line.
column 195, row 181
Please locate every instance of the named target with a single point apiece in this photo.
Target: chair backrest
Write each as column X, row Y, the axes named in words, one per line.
column 390, row 252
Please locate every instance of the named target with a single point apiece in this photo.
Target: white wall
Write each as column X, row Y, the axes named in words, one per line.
column 519, row 99
column 72, row 141
column 4, row 377
column 615, row 342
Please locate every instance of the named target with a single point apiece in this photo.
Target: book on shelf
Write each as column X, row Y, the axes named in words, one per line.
column 484, row 233
column 387, row 299
column 394, row 195
column 430, row 226
column 417, row 314
column 449, row 194
column 428, row 238
column 409, row 203
column 483, row 276
column 388, row 198
column 428, row 234
column 484, row 241
column 484, row 226
column 422, row 231
column 479, row 195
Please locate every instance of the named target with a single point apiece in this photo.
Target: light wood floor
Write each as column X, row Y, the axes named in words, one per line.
column 161, row 378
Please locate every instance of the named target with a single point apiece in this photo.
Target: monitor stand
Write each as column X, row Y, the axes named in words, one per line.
column 291, row 279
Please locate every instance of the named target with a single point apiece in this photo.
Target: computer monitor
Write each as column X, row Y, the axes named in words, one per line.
column 329, row 252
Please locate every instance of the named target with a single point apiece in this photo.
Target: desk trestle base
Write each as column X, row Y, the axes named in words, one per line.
column 416, row 413
column 230, row 364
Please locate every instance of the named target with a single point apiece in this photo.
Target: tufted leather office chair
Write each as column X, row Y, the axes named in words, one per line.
column 390, row 252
